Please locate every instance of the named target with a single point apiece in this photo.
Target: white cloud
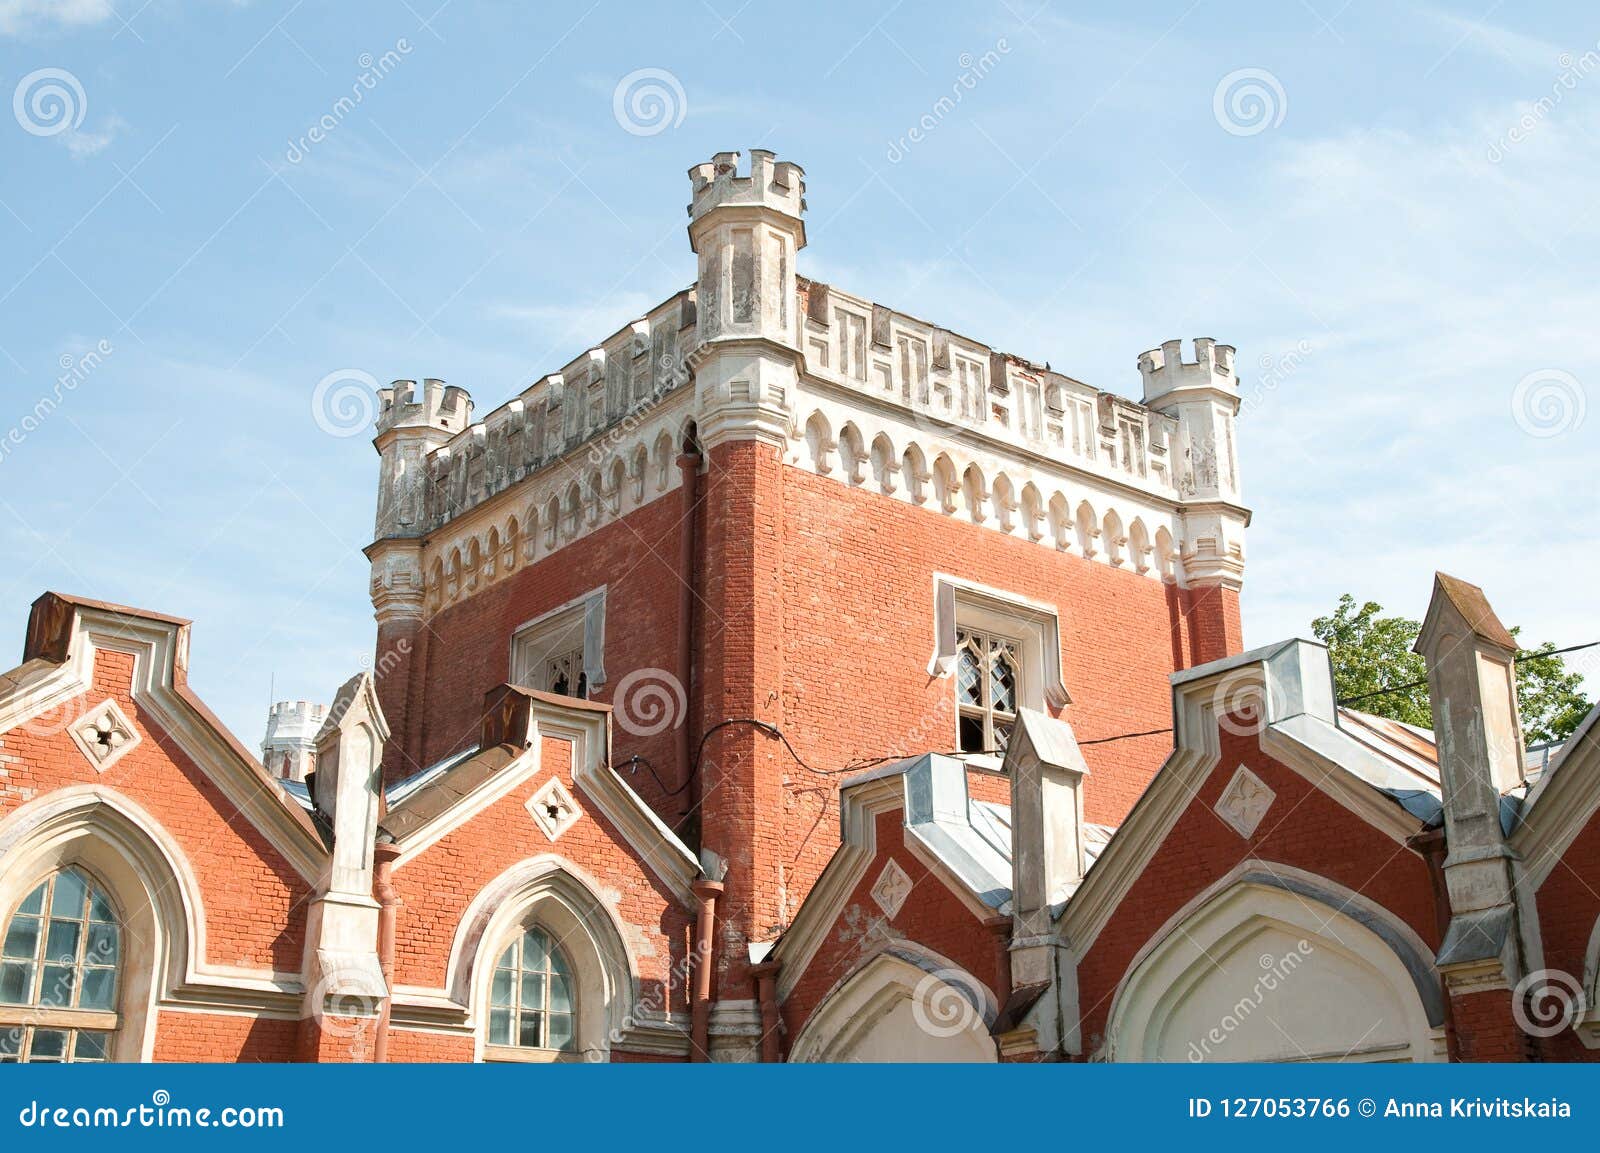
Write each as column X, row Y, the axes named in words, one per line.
column 22, row 17
column 84, row 144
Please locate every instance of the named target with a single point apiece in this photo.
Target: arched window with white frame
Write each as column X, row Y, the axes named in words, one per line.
column 60, row 959
column 532, row 1000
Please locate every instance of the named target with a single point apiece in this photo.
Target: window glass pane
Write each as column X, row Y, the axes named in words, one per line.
column 11, row 1041
column 1002, row 736
column 535, row 950
column 508, row 959
column 22, row 938
column 16, row 982
column 100, row 908
column 99, row 989
column 102, row 948
column 558, row 963
column 971, row 734
column 500, row 1026
column 90, row 1047
column 1003, row 684
column 560, row 1031
column 63, row 942
column 48, row 1043
column 69, row 895
column 532, row 991
column 530, row 1030
column 34, row 902
column 560, row 995
column 57, row 986
column 501, row 995
column 968, row 678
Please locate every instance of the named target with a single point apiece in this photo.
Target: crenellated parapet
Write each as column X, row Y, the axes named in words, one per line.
column 842, row 385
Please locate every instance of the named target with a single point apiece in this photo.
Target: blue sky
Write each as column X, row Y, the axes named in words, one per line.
column 1389, row 210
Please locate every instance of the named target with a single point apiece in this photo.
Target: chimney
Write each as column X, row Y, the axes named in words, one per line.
column 1046, row 769
column 1472, row 686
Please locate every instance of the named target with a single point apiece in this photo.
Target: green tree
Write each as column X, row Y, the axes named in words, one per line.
column 1371, row 653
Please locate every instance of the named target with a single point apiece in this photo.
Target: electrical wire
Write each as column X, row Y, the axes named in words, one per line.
column 860, row 764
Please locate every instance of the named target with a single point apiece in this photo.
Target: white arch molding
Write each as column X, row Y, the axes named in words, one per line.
column 905, row 1005
column 147, row 877
column 1268, row 968
column 555, row 894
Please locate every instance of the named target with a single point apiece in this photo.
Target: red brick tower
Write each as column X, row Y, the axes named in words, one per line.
column 883, row 539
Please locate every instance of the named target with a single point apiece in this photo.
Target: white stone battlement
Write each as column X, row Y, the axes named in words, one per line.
column 436, row 405
column 1165, row 371
column 767, row 182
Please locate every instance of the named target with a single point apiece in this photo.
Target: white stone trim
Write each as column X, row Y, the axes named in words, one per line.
column 947, row 1002
column 1217, row 918
column 890, row 890
column 588, row 613
column 512, row 529
column 1035, row 623
column 553, row 809
column 105, row 718
column 999, row 486
column 1244, row 802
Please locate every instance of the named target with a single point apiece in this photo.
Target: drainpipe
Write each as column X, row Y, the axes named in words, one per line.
column 1432, row 847
column 766, row 975
column 706, row 891
column 1000, row 929
column 689, row 468
column 384, row 855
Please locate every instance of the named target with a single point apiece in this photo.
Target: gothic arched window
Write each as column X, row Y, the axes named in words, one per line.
column 531, row 1002
column 59, row 963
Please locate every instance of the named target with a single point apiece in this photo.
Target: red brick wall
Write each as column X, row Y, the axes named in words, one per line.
column 417, row 1047
column 465, row 650
column 223, row 1037
column 1304, row 828
column 815, row 613
column 1484, row 1029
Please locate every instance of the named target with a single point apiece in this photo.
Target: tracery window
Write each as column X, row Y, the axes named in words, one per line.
column 531, row 999
column 988, row 683
column 59, row 963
